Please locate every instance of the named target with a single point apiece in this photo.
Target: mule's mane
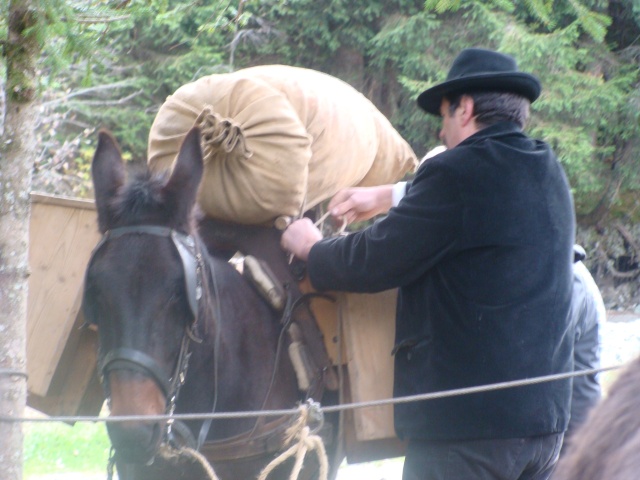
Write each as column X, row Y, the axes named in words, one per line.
column 141, row 200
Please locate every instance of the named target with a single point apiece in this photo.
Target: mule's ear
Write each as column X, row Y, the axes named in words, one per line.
column 187, row 173
column 108, row 173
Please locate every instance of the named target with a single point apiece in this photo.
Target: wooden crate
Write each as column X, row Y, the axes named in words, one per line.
column 368, row 332
column 61, row 358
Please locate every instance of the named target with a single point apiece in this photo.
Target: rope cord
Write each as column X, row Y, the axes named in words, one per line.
column 201, row 460
column 319, row 224
column 327, row 409
column 185, row 453
column 305, row 440
column 325, row 216
column 220, row 133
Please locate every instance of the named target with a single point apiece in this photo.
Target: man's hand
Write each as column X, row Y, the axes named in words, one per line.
column 361, row 203
column 299, row 237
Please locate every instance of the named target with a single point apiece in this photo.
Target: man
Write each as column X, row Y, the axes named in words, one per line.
column 480, row 247
column 587, row 315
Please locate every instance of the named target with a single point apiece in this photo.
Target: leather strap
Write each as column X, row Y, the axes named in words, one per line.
column 130, row 359
column 267, row 439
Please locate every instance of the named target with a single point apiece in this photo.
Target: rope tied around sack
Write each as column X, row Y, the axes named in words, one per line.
column 219, row 133
column 304, row 439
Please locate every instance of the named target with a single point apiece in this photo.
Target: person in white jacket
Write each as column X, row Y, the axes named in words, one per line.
column 587, row 314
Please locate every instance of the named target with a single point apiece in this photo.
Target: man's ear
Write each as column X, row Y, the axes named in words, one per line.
column 467, row 109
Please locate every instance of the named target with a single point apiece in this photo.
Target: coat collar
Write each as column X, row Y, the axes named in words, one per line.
column 495, row 130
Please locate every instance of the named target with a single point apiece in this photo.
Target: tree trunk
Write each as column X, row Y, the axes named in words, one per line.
column 17, row 153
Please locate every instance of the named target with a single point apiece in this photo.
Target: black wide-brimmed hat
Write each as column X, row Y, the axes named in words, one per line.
column 479, row 69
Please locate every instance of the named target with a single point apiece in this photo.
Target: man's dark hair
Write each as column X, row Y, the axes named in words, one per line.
column 494, row 107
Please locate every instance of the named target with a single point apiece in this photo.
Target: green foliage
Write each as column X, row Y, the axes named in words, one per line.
column 580, row 113
column 111, row 63
column 66, row 29
column 442, row 6
column 112, row 69
column 310, row 32
column 593, row 23
column 549, row 14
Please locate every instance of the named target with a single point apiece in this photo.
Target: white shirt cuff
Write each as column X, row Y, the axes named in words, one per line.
column 399, row 190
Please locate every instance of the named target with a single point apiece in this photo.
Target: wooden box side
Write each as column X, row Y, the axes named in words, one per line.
column 369, row 330
column 63, row 232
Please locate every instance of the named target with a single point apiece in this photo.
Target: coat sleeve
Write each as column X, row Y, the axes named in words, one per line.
column 396, row 250
column 588, row 313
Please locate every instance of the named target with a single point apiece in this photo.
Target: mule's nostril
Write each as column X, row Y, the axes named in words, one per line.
column 135, row 442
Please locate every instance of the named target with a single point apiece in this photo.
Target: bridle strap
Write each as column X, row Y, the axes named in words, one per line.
column 190, row 256
column 127, row 357
column 192, row 264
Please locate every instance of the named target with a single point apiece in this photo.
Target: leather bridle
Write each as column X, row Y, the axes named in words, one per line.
column 190, row 253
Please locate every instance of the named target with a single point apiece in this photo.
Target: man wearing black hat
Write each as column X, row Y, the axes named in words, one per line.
column 481, row 248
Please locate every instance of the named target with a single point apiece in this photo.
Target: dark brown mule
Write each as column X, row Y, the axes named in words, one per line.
column 607, row 446
column 168, row 311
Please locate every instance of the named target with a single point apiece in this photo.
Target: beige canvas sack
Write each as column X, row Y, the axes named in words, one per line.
column 278, row 140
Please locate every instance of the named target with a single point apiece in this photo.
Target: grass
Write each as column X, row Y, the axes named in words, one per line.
column 58, row 449
column 54, row 448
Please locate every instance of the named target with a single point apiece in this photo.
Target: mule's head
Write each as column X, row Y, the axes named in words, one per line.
column 137, row 291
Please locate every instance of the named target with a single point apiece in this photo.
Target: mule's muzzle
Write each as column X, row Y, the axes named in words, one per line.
column 136, row 442
column 134, row 394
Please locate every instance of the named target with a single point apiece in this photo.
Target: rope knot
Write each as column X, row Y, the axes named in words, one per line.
column 220, row 134
column 304, row 439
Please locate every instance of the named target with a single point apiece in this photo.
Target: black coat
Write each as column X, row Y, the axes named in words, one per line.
column 481, row 247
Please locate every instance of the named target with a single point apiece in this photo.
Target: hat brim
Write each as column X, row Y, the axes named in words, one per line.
column 521, row 83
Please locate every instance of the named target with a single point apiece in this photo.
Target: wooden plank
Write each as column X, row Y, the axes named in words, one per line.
column 63, row 233
column 70, row 202
column 369, row 330
column 358, row 450
column 75, row 388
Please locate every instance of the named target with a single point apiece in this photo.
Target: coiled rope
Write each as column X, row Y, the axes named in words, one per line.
column 304, row 440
